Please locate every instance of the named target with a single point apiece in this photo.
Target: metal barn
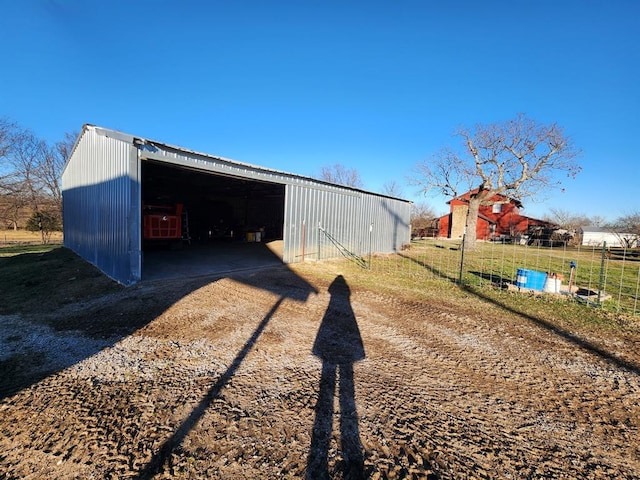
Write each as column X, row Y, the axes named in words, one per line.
column 121, row 191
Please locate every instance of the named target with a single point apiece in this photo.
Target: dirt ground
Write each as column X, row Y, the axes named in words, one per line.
column 282, row 374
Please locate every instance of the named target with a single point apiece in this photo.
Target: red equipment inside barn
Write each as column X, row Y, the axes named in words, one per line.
column 162, row 222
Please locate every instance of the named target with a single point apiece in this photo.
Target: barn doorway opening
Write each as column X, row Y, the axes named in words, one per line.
column 197, row 222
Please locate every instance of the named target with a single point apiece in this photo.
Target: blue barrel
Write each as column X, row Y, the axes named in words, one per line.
column 530, row 279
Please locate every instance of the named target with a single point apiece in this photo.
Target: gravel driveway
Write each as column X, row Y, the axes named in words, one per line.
column 282, row 374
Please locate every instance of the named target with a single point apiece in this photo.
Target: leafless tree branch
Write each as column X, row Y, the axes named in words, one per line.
column 517, row 159
column 341, row 175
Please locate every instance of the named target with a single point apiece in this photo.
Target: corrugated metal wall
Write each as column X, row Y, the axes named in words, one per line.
column 318, row 217
column 360, row 221
column 101, row 205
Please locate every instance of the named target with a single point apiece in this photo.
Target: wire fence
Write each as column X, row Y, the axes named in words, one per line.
column 595, row 275
column 13, row 237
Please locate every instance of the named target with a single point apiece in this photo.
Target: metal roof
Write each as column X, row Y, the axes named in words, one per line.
column 141, row 142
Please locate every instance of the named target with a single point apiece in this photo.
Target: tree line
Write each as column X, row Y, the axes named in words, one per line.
column 517, row 159
column 30, row 179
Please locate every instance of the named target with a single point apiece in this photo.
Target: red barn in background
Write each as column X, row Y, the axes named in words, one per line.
column 498, row 220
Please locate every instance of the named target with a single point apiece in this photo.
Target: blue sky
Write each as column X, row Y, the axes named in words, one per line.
column 377, row 86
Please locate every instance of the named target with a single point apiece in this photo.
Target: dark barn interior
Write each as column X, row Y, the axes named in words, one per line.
column 215, row 207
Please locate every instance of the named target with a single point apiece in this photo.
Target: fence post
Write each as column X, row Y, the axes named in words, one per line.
column 462, row 258
column 319, row 232
column 600, row 284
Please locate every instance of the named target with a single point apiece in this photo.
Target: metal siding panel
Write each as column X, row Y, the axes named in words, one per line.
column 134, row 220
column 97, row 200
column 288, row 235
column 390, row 219
column 347, row 218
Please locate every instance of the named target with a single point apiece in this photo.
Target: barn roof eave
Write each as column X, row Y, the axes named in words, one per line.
column 141, row 141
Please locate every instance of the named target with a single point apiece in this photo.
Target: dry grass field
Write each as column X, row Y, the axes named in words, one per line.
column 9, row 237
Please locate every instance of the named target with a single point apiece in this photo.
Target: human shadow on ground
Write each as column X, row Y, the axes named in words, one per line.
column 339, row 345
column 540, row 322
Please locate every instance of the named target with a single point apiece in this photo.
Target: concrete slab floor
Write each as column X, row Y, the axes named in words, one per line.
column 162, row 262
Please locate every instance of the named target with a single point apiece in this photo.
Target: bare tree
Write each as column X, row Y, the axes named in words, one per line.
column 341, row 175
column 424, row 221
column 392, row 188
column 7, row 131
column 54, row 162
column 569, row 225
column 627, row 229
column 30, row 173
column 517, row 159
column 24, row 187
column 598, row 221
column 13, row 185
column 569, row 221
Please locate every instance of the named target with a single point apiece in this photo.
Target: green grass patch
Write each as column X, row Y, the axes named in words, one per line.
column 12, row 250
column 430, row 271
column 617, row 280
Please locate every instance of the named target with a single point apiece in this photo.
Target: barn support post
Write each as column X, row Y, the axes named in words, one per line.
column 370, row 240
column 303, row 235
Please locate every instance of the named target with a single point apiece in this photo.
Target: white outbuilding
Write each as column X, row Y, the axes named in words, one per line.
column 598, row 236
